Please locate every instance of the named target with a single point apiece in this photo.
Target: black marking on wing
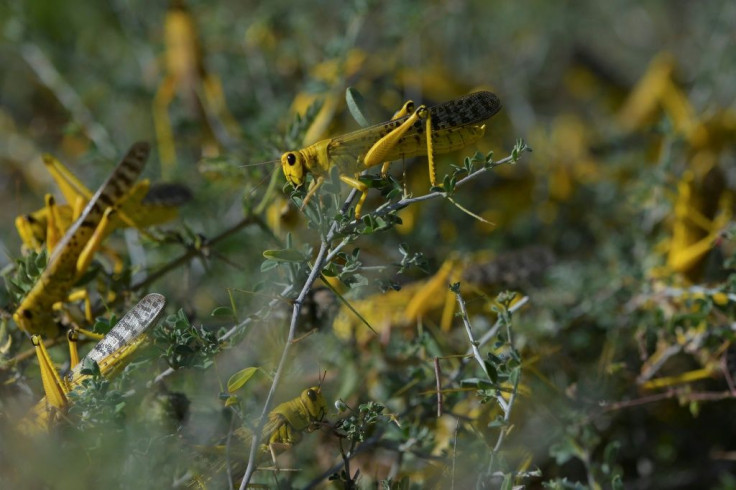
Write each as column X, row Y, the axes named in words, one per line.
column 133, row 324
column 116, row 185
column 169, row 195
column 470, row 109
column 464, row 111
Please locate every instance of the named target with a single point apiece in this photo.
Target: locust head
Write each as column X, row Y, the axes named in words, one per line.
column 314, row 402
column 293, row 164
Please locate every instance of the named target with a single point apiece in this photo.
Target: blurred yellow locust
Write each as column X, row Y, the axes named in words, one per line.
column 187, row 75
column 73, row 253
column 451, row 126
column 287, row 421
column 285, row 427
column 110, row 354
column 431, row 302
column 146, row 205
column 703, row 205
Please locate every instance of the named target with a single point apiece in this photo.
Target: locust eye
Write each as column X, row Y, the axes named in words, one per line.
column 312, row 395
column 291, row 159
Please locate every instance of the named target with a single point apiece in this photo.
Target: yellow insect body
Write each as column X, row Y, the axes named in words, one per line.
column 288, row 420
column 703, row 206
column 74, row 252
column 702, row 211
column 451, row 126
column 145, row 205
column 187, row 75
column 40, row 227
column 110, row 354
column 285, row 426
column 432, row 302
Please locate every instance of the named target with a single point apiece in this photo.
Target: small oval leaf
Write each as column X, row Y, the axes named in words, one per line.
column 354, row 100
column 232, row 400
column 239, row 379
column 267, row 265
column 222, row 311
column 284, row 255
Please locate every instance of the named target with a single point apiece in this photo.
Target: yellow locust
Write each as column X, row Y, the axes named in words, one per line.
column 187, row 75
column 431, row 302
column 285, row 426
column 75, row 250
column 703, row 205
column 110, row 354
column 287, row 421
column 450, row 126
column 146, row 205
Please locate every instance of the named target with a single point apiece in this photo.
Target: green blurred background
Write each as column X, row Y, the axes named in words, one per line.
column 629, row 108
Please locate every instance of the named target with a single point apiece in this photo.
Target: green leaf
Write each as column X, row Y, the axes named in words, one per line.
column 354, row 101
column 222, row 311
column 267, row 265
column 492, row 373
column 476, row 383
column 508, row 482
column 285, row 255
column 232, row 400
column 610, row 453
column 393, row 194
column 90, row 367
column 514, row 376
column 239, row 379
column 616, row 483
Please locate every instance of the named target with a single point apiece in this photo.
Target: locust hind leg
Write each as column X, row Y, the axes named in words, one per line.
column 83, row 262
column 282, row 439
column 694, row 233
column 94, row 243
column 162, row 123
column 382, row 148
column 216, row 103
column 378, row 153
column 405, row 110
column 54, row 233
column 54, row 387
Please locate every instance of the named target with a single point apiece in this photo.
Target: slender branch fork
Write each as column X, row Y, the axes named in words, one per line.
column 506, row 406
column 389, row 208
column 323, row 257
column 319, row 263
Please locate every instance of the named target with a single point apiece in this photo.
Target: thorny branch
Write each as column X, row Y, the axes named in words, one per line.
column 322, row 259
